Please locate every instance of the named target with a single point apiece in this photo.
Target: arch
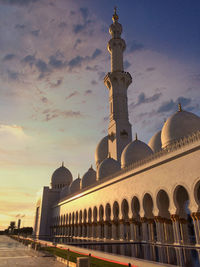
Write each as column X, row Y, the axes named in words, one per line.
column 90, row 215
column 125, row 209
column 70, row 218
column 116, row 210
column 80, row 216
column 181, row 201
column 197, row 194
column 108, row 212
column 162, row 201
column 148, row 206
column 73, row 217
column 85, row 215
column 135, row 207
column 95, row 214
column 76, row 216
column 101, row 213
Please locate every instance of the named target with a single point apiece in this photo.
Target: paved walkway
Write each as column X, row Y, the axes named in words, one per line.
column 15, row 254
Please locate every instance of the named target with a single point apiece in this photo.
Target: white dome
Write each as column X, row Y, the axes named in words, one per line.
column 155, row 142
column 101, row 151
column 64, row 192
column 61, row 177
column 75, row 186
column 179, row 125
column 89, row 178
column 107, row 167
column 135, row 151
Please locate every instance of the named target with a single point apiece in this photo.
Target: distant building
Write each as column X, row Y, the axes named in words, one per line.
column 138, row 192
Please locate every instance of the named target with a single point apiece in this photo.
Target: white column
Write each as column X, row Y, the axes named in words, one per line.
column 176, row 229
column 196, row 221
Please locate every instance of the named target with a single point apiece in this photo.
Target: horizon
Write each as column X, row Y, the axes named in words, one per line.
column 54, row 104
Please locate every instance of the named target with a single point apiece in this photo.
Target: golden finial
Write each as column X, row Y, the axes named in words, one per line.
column 179, row 107
column 79, row 175
column 91, row 167
column 63, row 164
column 115, row 16
column 136, row 138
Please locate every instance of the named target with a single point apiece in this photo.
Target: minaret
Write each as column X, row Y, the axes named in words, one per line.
column 117, row 82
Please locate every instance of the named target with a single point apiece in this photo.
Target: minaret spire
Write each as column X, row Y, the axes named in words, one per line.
column 117, row 82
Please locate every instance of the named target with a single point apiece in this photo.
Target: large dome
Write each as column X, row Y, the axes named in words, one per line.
column 75, row 185
column 155, row 142
column 179, row 125
column 101, row 151
column 107, row 167
column 61, row 177
column 135, row 151
column 89, row 178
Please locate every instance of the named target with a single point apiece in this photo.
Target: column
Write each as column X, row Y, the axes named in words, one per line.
column 176, row 228
column 121, row 230
column 151, row 230
column 114, row 230
column 144, row 229
column 184, row 231
column 196, row 221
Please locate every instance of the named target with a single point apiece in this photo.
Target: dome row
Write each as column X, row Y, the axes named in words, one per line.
column 179, row 125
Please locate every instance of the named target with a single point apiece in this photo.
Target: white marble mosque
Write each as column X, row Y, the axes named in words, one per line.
column 139, row 192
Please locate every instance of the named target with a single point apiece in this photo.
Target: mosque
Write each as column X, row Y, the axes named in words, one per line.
column 139, row 192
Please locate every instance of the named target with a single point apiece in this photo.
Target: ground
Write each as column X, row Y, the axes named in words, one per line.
column 13, row 253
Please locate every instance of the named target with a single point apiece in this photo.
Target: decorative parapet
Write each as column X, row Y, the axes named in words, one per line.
column 176, row 145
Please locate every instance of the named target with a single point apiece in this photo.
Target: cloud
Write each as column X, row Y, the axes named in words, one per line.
column 62, row 25
column 57, row 83
column 52, row 114
column 30, row 59
column 35, row 33
column 44, row 100
column 135, row 46
column 78, row 41
column 79, row 27
column 150, row 69
column 20, row 26
column 142, row 99
column 13, row 75
column 76, row 62
column 18, row 2
column 56, row 63
column 101, row 75
column 9, row 57
column 127, row 64
column 88, row 92
column 42, row 67
column 14, row 130
column 93, row 82
column 171, row 105
column 94, row 68
column 72, row 95
column 96, row 53
column 84, row 12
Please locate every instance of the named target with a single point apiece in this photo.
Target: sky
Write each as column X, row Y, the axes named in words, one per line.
column 53, row 102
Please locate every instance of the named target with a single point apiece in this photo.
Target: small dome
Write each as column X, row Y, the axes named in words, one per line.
column 61, row 177
column 155, row 142
column 135, row 151
column 75, row 186
column 64, row 192
column 107, row 167
column 179, row 125
column 89, row 178
column 101, row 151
